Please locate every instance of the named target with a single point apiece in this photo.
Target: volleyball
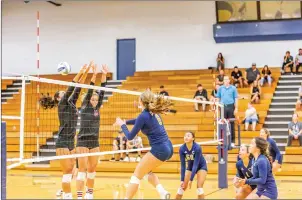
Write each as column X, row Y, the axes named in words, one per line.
column 64, row 68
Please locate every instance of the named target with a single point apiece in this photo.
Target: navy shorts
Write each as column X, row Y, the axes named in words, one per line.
column 270, row 193
column 279, row 161
column 65, row 142
column 89, row 142
column 201, row 166
column 162, row 151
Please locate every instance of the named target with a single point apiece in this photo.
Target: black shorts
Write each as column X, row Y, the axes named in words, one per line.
column 89, row 142
column 65, row 142
column 119, row 146
column 250, row 82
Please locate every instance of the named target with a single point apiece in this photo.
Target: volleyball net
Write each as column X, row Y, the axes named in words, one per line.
column 33, row 127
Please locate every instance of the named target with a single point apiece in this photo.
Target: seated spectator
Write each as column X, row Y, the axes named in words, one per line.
column 255, row 92
column 266, row 76
column 213, row 96
column 136, row 143
column 251, row 117
column 299, row 102
column 200, row 94
column 163, row 91
column 288, row 61
column 295, row 131
column 219, row 78
column 252, row 74
column 298, row 61
column 237, row 77
column 220, row 62
column 119, row 143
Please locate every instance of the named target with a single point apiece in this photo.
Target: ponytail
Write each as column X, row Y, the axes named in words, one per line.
column 157, row 105
column 48, row 102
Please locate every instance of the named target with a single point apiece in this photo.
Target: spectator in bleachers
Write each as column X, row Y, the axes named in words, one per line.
column 298, row 61
column 162, row 91
column 252, row 74
column 200, row 94
column 295, row 130
column 119, row 143
column 213, row 96
column 266, row 76
column 220, row 62
column 136, row 143
column 255, row 92
column 219, row 78
column 251, row 117
column 299, row 102
column 237, row 77
column 288, row 62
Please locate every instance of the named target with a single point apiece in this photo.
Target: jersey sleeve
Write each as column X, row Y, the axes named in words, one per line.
column 239, row 172
column 68, row 93
column 182, row 164
column 263, row 171
column 139, row 123
column 196, row 163
column 101, row 95
column 75, row 96
column 88, row 95
column 130, row 122
column 276, row 149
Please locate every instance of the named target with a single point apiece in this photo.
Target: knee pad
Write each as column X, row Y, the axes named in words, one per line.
column 91, row 175
column 134, row 180
column 66, row 178
column 81, row 176
column 200, row 191
column 180, row 191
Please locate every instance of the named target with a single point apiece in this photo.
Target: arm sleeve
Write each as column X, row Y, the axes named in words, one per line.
column 68, row 93
column 239, row 172
column 139, row 123
column 195, row 164
column 130, row 122
column 101, row 95
column 206, row 94
column 235, row 93
column 183, row 164
column 276, row 149
column 88, row 95
column 75, row 96
column 262, row 167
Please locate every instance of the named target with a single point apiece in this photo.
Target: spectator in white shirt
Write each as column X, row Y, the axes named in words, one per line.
column 251, row 117
column 298, row 61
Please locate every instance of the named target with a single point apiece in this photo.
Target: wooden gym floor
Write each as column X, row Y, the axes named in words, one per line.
column 44, row 185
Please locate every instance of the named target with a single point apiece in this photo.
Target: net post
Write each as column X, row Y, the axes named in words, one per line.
column 3, row 160
column 22, row 115
column 223, row 156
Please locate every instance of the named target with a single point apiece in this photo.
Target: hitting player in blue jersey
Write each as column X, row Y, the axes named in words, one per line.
column 273, row 149
column 262, row 172
column 244, row 171
column 191, row 153
column 150, row 123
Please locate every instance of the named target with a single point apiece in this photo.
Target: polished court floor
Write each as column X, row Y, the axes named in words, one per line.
column 44, row 185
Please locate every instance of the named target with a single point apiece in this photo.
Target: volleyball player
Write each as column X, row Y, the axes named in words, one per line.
column 244, row 171
column 274, row 151
column 262, row 172
column 88, row 136
column 68, row 115
column 151, row 124
column 191, row 152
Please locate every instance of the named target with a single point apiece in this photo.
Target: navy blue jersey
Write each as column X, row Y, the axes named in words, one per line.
column 274, row 151
column 194, row 158
column 262, row 175
column 150, row 124
column 244, row 172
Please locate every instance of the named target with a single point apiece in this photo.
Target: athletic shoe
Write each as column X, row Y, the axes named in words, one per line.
column 126, row 159
column 67, row 196
column 88, row 196
column 138, row 159
column 165, row 195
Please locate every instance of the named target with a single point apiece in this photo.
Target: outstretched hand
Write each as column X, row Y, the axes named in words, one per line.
column 94, row 69
column 119, row 122
column 83, row 69
column 105, row 69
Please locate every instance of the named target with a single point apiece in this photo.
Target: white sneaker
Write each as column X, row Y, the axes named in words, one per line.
column 165, row 195
column 126, row 159
column 88, row 196
column 59, row 194
column 67, row 196
column 233, row 145
column 138, row 159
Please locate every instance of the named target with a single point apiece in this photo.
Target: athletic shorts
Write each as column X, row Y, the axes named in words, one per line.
column 65, row 142
column 89, row 142
column 270, row 193
column 201, row 166
column 162, row 151
column 279, row 161
column 250, row 82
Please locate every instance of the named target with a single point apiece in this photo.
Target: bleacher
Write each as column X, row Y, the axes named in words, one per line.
column 180, row 83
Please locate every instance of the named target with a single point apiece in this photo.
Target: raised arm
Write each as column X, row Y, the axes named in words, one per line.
column 195, row 164
column 139, row 123
column 183, row 164
column 103, row 84
column 130, row 122
column 262, row 167
column 90, row 91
